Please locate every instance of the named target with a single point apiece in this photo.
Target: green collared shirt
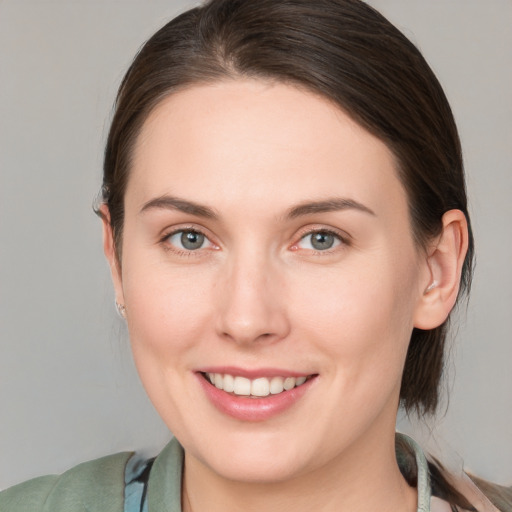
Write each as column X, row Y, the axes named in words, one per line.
column 107, row 485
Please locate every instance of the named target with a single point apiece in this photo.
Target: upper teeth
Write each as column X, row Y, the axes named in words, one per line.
column 256, row 387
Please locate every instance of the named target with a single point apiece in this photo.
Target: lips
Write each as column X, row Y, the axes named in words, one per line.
column 253, row 395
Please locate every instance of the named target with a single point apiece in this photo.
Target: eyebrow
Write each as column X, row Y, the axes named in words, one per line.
column 307, row 208
column 173, row 203
column 327, row 205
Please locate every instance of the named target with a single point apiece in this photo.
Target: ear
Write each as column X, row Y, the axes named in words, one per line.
column 444, row 261
column 110, row 253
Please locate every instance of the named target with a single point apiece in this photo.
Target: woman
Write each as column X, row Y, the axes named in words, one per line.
column 286, row 224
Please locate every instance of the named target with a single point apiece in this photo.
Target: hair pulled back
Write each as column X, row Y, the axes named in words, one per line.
column 343, row 50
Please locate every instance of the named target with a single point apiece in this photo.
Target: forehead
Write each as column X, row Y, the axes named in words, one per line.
column 251, row 140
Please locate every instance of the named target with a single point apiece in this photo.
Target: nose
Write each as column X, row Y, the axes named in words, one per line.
column 251, row 301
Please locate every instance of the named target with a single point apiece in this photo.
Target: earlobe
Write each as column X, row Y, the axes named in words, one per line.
column 445, row 259
column 110, row 253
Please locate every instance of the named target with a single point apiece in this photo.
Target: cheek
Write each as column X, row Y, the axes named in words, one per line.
column 168, row 317
column 362, row 316
column 167, row 309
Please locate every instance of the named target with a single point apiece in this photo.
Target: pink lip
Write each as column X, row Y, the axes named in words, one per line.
column 251, row 374
column 252, row 409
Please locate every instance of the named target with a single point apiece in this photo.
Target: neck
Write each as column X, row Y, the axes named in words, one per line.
column 364, row 478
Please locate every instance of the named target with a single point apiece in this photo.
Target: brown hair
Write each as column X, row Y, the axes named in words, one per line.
column 345, row 51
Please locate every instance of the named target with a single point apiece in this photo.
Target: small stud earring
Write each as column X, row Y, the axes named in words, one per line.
column 431, row 286
column 121, row 309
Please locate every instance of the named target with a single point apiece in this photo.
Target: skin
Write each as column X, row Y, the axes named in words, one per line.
column 257, row 294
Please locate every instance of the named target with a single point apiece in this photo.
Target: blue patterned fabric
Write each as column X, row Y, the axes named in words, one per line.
column 136, row 482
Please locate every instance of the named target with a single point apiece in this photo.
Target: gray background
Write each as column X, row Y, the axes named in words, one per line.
column 68, row 390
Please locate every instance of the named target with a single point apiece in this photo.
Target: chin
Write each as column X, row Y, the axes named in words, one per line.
column 255, row 458
column 257, row 471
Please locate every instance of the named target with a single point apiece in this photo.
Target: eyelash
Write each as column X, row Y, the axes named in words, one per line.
column 164, row 241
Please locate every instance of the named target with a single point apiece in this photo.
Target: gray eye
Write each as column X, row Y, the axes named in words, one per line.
column 319, row 241
column 191, row 240
column 188, row 240
column 322, row 241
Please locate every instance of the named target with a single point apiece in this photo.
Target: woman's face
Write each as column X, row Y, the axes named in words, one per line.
column 267, row 238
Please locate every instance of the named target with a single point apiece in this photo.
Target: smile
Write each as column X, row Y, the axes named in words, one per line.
column 256, row 388
column 254, row 395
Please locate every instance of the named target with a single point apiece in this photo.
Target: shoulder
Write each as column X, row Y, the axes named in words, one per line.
column 96, row 485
